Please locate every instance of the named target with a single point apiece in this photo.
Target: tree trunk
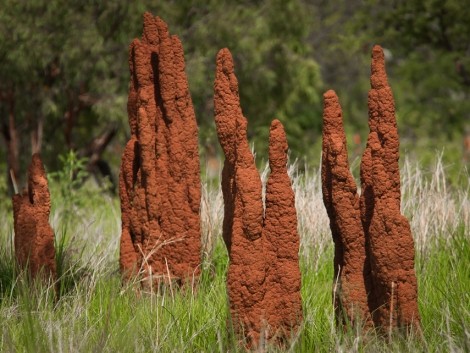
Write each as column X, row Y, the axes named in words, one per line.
column 10, row 135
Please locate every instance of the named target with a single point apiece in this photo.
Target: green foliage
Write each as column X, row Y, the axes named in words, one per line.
column 7, row 264
column 72, row 194
column 72, row 174
column 66, row 64
column 71, row 59
column 68, row 180
column 276, row 73
column 428, row 62
column 5, row 202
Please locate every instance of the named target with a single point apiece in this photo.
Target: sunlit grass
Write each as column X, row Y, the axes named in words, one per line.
column 94, row 312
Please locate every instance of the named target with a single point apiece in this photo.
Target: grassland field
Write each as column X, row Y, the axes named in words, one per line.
column 95, row 312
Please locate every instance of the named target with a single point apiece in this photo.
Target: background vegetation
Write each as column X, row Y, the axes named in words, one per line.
column 64, row 73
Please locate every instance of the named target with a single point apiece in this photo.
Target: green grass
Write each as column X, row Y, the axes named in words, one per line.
column 94, row 312
column 100, row 315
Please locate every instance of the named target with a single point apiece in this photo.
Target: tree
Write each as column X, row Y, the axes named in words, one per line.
column 64, row 71
column 62, row 75
column 428, row 43
column 278, row 77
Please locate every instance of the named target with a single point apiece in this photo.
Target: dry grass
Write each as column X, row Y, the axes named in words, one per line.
column 95, row 313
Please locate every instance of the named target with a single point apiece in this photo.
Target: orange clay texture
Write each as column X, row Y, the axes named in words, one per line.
column 159, row 184
column 263, row 279
column 34, row 237
column 351, row 265
column 374, row 249
column 390, row 243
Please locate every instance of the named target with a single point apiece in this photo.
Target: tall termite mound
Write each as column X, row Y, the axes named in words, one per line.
column 263, row 279
column 351, row 265
column 374, row 249
column 159, row 180
column 282, row 300
column 391, row 247
column 34, row 237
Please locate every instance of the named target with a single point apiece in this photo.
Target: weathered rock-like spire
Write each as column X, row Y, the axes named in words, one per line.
column 34, row 237
column 391, row 247
column 382, row 121
column 243, row 205
column 282, row 302
column 381, row 279
column 341, row 200
column 263, row 279
column 160, row 180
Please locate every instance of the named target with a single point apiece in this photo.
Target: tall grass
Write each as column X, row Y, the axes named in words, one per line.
column 94, row 312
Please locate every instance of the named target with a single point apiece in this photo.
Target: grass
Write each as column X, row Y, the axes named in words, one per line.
column 94, row 312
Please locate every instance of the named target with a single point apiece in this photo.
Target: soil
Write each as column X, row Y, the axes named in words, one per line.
column 34, row 237
column 388, row 232
column 160, row 174
column 374, row 249
column 351, row 263
column 263, row 279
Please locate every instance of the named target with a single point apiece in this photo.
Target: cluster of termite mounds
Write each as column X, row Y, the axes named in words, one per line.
column 160, row 192
column 34, row 237
column 374, row 251
column 263, row 279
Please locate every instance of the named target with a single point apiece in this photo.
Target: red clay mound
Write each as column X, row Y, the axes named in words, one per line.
column 263, row 279
column 387, row 230
column 34, row 237
column 351, row 265
column 243, row 205
column 386, row 269
column 159, row 180
column 282, row 302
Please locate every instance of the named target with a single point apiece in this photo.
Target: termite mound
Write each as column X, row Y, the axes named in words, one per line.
column 374, row 249
column 160, row 187
column 34, row 237
column 263, row 279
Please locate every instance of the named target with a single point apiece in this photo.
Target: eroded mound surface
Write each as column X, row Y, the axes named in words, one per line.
column 263, row 279
column 34, row 237
column 160, row 178
column 374, row 249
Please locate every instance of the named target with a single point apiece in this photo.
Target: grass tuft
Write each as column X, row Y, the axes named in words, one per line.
column 93, row 311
